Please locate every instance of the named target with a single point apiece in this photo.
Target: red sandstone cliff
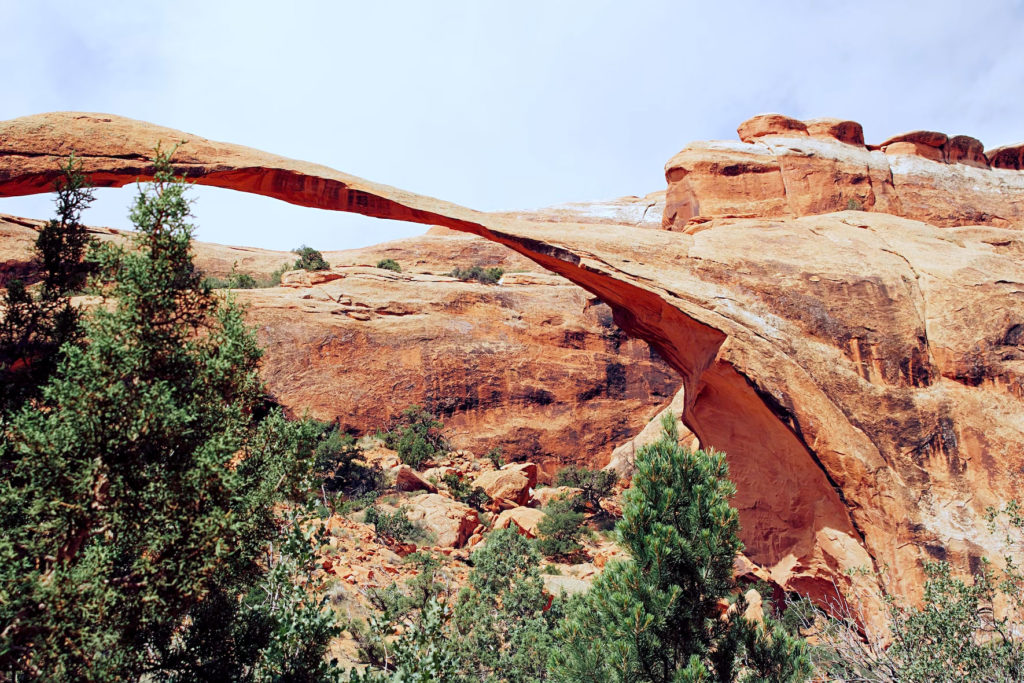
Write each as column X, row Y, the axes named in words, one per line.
column 864, row 370
column 533, row 365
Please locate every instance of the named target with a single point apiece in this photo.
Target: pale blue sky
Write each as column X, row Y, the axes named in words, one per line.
column 498, row 105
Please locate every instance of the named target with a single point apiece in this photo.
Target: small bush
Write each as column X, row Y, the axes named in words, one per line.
column 417, row 438
column 389, row 264
column 234, row 280
column 485, row 276
column 561, row 530
column 310, row 259
column 854, row 205
column 339, row 461
column 494, row 455
column 275, row 278
column 390, row 526
column 594, row 484
column 237, row 280
column 473, row 496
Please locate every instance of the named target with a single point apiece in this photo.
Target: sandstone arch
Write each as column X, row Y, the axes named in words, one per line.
column 860, row 369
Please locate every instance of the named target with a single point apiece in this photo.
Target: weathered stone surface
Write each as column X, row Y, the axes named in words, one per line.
column 624, row 455
column 963, row 149
column 640, row 212
column 764, row 125
column 929, row 138
column 450, row 521
column 306, row 278
column 1010, row 157
column 508, row 485
column 527, row 469
column 781, row 172
column 540, row 370
column 408, row 479
column 524, row 519
column 849, row 132
column 546, row 494
column 864, row 372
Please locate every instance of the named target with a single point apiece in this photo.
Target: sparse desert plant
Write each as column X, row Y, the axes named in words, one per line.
column 338, row 460
column 495, row 456
column 417, row 437
column 389, row 264
column 485, row 276
column 854, row 205
column 234, row 280
column 310, row 259
column 464, row 492
column 655, row 617
column 561, row 530
column 593, row 484
column 967, row 629
column 390, row 526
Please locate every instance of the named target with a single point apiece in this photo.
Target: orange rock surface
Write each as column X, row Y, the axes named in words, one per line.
column 533, row 365
column 864, row 370
column 787, row 168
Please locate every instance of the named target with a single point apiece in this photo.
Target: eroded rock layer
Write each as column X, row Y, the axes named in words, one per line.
column 533, row 365
column 783, row 167
column 864, row 371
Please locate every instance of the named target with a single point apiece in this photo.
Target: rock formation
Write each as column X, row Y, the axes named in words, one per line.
column 864, row 370
column 534, row 365
column 788, row 168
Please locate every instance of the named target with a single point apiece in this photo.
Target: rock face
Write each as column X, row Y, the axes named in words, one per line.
column 864, row 371
column 450, row 521
column 510, row 486
column 788, row 168
column 534, row 365
column 538, row 369
column 525, row 520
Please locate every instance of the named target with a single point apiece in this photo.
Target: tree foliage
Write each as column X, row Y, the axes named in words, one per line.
column 561, row 530
column 967, row 629
column 138, row 489
column 310, row 259
column 498, row 629
column 34, row 326
column 593, row 484
column 417, row 437
column 655, row 617
column 485, row 276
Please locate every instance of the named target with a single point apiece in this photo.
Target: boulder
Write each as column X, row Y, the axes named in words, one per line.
column 764, row 125
column 546, row 494
column 848, row 132
column 439, row 473
column 524, row 519
column 408, row 479
column 528, row 469
column 963, row 149
column 450, row 521
column 1009, row 157
column 929, row 138
column 308, row 278
column 511, row 486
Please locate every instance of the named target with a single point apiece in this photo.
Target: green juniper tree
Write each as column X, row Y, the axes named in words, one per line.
column 34, row 327
column 498, row 629
column 655, row 617
column 136, row 502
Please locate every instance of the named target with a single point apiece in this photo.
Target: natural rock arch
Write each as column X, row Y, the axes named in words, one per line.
column 856, row 367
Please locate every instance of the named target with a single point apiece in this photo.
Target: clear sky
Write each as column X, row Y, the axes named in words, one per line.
column 498, row 105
